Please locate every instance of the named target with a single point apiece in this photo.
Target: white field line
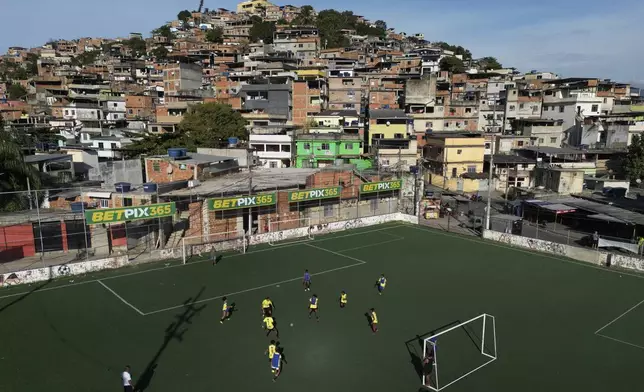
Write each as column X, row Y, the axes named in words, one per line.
column 371, row 245
column 120, row 298
column 620, row 341
column 339, row 254
column 517, row 249
column 299, row 278
column 192, row 263
column 619, row 317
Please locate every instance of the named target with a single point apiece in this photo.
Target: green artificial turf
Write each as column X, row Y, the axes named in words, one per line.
column 62, row 335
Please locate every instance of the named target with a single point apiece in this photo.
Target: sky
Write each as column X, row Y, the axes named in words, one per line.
column 574, row 38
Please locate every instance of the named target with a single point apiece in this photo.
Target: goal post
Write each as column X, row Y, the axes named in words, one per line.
column 472, row 345
column 205, row 246
column 289, row 231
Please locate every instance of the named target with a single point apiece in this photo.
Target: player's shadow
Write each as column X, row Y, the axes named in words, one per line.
column 415, row 347
column 25, row 295
column 368, row 317
column 175, row 331
column 233, row 309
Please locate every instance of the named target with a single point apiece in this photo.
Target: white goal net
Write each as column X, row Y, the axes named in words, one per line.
column 212, row 245
column 458, row 351
column 289, row 231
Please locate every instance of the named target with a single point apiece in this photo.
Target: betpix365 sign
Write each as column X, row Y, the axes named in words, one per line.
column 233, row 203
column 381, row 186
column 123, row 214
column 314, row 194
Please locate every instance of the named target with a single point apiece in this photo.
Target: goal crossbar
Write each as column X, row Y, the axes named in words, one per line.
column 218, row 242
column 432, row 341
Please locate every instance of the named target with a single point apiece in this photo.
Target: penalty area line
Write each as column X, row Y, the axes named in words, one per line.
column 120, row 298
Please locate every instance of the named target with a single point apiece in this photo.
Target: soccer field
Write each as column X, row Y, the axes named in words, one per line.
column 560, row 325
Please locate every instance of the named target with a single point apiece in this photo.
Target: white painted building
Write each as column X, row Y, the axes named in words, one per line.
column 109, row 147
column 273, row 151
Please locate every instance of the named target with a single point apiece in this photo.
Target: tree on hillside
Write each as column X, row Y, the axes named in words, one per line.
column 452, row 64
column 184, row 15
column 164, row 31
column 16, row 91
column 31, row 65
column 159, row 53
column 85, row 58
column 459, row 50
column 211, row 124
column 381, row 24
column 634, row 161
column 137, row 45
column 489, row 63
column 306, row 16
column 215, row 35
column 15, row 174
column 158, row 144
column 261, row 31
column 329, row 23
column 282, row 22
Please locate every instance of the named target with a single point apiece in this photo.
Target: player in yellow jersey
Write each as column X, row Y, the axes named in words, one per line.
column 271, row 350
column 226, row 310
column 374, row 320
column 267, row 307
column 271, row 325
column 343, row 299
column 313, row 306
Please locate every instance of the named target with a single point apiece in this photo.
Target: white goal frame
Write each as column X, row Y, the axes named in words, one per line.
column 433, row 340
column 304, row 224
column 201, row 246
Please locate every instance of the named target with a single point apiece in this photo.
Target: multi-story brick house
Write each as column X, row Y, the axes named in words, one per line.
column 345, row 93
column 302, row 41
column 139, row 107
column 164, row 169
column 308, row 98
column 181, row 77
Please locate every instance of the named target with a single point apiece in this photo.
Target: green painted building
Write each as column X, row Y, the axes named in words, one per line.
column 328, row 149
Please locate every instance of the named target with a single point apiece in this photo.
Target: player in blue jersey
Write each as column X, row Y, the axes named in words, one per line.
column 276, row 363
column 306, row 281
column 381, row 283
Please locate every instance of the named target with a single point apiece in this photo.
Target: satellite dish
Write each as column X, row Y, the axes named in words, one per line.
column 639, row 181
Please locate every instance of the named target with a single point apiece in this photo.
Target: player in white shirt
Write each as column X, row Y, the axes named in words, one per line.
column 127, row 380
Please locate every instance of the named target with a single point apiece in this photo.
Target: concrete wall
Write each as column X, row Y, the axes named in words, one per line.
column 113, row 172
column 61, row 271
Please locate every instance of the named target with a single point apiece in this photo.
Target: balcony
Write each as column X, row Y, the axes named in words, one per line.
column 169, row 119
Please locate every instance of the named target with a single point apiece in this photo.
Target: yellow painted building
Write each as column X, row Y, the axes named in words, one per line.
column 388, row 124
column 253, row 6
column 453, row 154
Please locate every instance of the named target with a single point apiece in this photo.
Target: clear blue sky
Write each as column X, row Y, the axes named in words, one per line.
column 593, row 38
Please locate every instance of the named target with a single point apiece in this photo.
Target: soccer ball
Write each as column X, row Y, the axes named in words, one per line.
column 291, row 324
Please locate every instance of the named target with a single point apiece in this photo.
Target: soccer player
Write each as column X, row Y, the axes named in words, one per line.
column 127, row 380
column 306, row 281
column 381, row 283
column 374, row 320
column 267, row 307
column 270, row 325
column 343, row 299
column 271, row 350
column 313, row 307
column 213, row 256
column 276, row 363
column 225, row 311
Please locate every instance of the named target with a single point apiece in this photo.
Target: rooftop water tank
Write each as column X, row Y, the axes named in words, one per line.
column 78, row 206
column 232, row 142
column 177, row 152
column 123, row 187
column 150, row 187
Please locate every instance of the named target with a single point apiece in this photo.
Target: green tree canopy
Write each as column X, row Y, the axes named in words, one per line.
column 634, row 161
column 159, row 53
column 15, row 174
column 489, row 63
column 261, row 31
column 381, row 24
column 16, row 91
column 31, row 65
column 164, row 31
column 86, row 58
column 211, row 124
column 215, row 35
column 330, row 22
column 456, row 49
column 184, row 15
column 306, row 16
column 452, row 64
column 137, row 45
column 158, row 144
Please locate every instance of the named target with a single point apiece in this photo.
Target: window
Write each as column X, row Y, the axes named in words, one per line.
column 430, row 109
column 545, row 108
column 594, row 108
column 66, row 112
column 468, row 110
column 272, row 148
column 561, row 109
column 553, row 140
column 307, row 146
column 129, row 111
column 127, row 202
column 512, row 107
column 521, row 106
column 428, row 124
column 520, row 143
column 325, row 146
column 446, row 124
column 155, row 129
column 348, row 146
column 286, row 148
column 459, row 152
column 113, row 146
column 458, row 124
column 115, row 105
column 156, row 166
column 487, row 146
column 605, row 100
column 465, row 122
column 273, row 164
column 104, row 203
column 398, row 136
column 100, row 145
column 540, row 140
column 471, row 169
column 328, row 210
column 454, row 172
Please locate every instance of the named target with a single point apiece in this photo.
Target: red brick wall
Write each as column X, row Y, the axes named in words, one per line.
column 17, row 237
column 162, row 175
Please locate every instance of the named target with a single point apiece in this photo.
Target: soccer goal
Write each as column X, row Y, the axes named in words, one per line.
column 458, row 351
column 200, row 247
column 289, row 231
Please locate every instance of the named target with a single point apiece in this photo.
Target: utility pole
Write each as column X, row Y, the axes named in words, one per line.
column 249, row 158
